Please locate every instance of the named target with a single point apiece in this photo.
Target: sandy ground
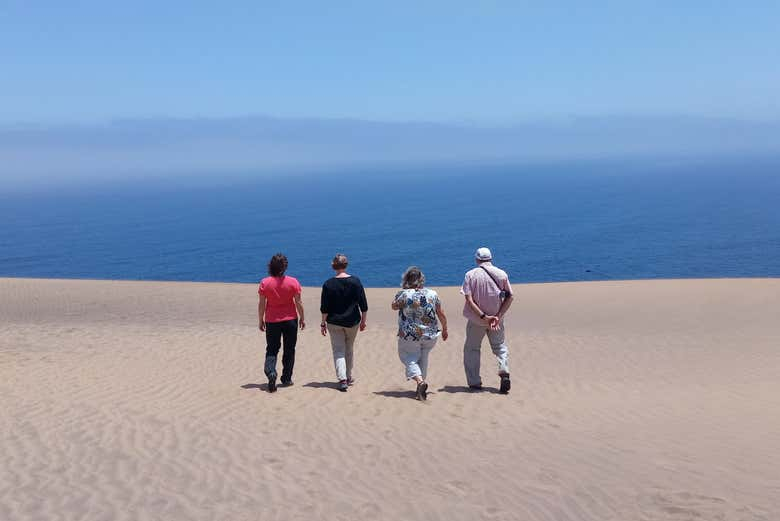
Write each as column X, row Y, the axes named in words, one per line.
column 639, row 400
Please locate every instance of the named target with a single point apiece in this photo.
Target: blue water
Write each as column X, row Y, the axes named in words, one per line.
column 565, row 222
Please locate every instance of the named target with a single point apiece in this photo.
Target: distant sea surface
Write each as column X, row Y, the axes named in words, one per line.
column 567, row 222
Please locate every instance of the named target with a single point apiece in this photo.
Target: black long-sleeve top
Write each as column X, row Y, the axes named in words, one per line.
column 343, row 299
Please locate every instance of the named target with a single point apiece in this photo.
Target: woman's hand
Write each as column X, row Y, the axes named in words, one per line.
column 302, row 324
column 323, row 329
column 362, row 325
column 262, row 325
column 444, row 334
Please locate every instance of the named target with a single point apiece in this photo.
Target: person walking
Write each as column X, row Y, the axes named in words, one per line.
column 280, row 313
column 344, row 311
column 488, row 297
column 418, row 328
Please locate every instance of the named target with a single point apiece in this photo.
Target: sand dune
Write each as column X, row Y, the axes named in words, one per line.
column 640, row 400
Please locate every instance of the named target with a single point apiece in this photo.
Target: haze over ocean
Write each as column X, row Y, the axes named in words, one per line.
column 191, row 141
column 564, row 222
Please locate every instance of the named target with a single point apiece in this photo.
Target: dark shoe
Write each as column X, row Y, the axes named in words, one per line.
column 286, row 383
column 350, row 382
column 272, row 384
column 505, row 384
column 343, row 386
column 422, row 391
column 475, row 387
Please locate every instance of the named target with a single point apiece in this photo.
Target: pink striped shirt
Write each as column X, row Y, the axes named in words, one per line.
column 484, row 291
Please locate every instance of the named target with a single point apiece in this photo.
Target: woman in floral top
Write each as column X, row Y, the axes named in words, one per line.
column 418, row 328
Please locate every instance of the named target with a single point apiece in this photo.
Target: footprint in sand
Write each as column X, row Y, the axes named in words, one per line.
column 676, row 506
column 496, row 513
column 369, row 511
column 458, row 487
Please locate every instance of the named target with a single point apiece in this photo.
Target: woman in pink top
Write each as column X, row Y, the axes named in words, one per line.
column 280, row 313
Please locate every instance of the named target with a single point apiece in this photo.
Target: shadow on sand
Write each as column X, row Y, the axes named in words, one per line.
column 323, row 385
column 399, row 394
column 262, row 387
column 466, row 389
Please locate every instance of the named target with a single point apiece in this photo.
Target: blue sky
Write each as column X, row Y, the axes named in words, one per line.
column 102, row 90
column 489, row 62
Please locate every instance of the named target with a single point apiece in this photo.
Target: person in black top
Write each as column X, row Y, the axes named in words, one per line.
column 344, row 309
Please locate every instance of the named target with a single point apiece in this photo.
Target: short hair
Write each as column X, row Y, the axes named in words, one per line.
column 277, row 265
column 412, row 278
column 340, row 262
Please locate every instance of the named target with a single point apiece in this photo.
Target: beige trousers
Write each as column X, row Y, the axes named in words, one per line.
column 342, row 340
column 471, row 350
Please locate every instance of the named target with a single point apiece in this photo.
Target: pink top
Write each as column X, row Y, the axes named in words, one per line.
column 484, row 291
column 279, row 293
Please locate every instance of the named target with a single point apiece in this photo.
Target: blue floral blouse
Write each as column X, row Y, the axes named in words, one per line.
column 417, row 314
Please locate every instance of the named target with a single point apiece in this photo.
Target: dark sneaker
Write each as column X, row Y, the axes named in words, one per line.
column 343, row 386
column 422, row 391
column 505, row 384
column 286, row 383
column 272, row 384
column 475, row 387
column 350, row 382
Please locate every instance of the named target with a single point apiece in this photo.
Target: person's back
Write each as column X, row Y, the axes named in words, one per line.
column 342, row 300
column 417, row 313
column 484, row 290
column 488, row 296
column 280, row 313
column 343, row 306
column 280, row 293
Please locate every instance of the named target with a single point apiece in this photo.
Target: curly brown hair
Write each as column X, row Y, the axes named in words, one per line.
column 413, row 278
column 277, row 265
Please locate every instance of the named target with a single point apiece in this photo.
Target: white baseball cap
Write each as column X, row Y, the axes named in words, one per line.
column 483, row 254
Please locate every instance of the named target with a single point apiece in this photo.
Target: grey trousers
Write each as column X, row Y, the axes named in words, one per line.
column 342, row 340
column 475, row 332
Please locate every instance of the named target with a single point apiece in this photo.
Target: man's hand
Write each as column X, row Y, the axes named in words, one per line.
column 444, row 335
column 262, row 325
column 362, row 325
column 494, row 322
column 302, row 324
column 323, row 329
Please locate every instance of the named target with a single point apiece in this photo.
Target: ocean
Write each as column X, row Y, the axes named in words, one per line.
column 571, row 221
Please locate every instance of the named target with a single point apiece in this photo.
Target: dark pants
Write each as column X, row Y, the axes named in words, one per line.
column 275, row 333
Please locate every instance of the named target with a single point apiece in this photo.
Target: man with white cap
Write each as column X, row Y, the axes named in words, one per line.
column 488, row 297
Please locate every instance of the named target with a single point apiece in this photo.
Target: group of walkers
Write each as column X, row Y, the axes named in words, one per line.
column 421, row 320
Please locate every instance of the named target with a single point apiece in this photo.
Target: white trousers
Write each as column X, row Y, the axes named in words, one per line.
column 414, row 355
